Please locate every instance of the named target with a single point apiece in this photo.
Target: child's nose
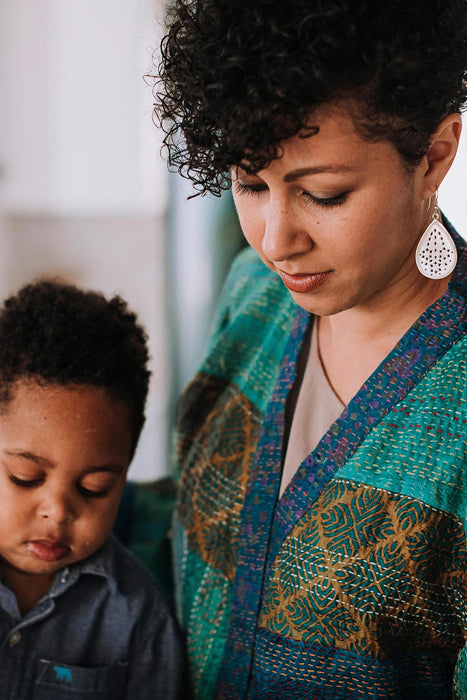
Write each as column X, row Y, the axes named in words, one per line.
column 57, row 506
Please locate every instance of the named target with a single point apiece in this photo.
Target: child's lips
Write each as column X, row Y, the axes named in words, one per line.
column 48, row 550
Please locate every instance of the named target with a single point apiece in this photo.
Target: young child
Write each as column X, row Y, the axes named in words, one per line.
column 79, row 617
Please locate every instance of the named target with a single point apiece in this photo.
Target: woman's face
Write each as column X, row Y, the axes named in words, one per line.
column 337, row 217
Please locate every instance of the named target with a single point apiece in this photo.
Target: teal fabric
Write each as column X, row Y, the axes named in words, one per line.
column 460, row 684
column 410, row 462
column 245, row 346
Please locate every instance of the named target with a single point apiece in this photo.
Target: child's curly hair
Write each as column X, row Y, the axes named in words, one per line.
column 56, row 333
column 237, row 78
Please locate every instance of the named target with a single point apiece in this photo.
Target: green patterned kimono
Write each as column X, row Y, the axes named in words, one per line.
column 353, row 585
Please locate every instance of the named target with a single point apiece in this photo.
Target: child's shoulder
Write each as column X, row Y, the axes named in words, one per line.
column 128, row 567
column 130, row 579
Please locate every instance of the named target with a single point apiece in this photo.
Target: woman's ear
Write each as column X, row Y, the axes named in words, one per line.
column 440, row 155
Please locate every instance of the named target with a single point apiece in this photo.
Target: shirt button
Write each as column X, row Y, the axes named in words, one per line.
column 15, row 638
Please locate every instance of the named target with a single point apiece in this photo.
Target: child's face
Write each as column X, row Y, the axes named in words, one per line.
column 64, row 453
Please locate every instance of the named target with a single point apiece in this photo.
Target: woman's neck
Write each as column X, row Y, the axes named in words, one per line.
column 354, row 342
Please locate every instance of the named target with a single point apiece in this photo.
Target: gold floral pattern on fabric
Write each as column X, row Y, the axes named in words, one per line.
column 218, row 432
column 372, row 572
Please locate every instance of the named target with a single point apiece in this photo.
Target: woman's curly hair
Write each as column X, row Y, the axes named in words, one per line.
column 237, row 78
column 56, row 333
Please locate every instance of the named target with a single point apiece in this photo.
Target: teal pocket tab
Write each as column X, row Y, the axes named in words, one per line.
column 56, row 675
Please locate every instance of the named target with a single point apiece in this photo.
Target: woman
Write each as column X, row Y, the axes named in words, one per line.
column 320, row 531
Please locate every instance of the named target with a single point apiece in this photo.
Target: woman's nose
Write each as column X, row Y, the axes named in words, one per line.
column 284, row 233
column 57, row 506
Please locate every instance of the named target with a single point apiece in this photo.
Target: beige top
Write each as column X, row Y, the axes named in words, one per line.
column 316, row 409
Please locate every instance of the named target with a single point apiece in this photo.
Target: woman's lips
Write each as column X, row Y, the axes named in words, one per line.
column 47, row 550
column 303, row 283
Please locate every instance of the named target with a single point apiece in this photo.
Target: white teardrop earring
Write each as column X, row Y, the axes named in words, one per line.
column 436, row 254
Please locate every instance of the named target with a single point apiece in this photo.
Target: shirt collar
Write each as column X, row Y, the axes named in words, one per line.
column 101, row 563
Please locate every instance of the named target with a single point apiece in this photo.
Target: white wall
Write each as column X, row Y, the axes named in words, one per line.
column 83, row 191
column 76, row 133
column 453, row 191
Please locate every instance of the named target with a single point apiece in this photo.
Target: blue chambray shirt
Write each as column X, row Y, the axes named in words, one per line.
column 103, row 631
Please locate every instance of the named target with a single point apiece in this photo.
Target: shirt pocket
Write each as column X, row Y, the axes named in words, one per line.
column 58, row 681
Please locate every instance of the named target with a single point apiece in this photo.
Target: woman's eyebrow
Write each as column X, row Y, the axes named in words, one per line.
column 313, row 170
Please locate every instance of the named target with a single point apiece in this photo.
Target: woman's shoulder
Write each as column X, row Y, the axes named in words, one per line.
column 250, row 330
column 247, row 271
column 253, row 296
column 252, row 288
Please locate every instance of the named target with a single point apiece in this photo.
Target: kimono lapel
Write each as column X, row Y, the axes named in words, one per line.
column 258, row 512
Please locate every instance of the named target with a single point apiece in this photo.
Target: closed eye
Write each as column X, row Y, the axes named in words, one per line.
column 89, row 493
column 335, row 201
column 26, row 483
column 242, row 188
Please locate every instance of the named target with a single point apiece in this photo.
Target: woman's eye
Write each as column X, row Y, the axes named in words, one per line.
column 243, row 188
column 25, row 483
column 334, row 201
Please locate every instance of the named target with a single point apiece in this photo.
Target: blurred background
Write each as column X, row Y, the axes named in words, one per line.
column 85, row 194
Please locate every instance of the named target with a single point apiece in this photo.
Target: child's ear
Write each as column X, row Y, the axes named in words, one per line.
column 440, row 155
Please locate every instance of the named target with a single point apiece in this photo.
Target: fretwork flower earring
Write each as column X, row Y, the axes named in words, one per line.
column 436, row 254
